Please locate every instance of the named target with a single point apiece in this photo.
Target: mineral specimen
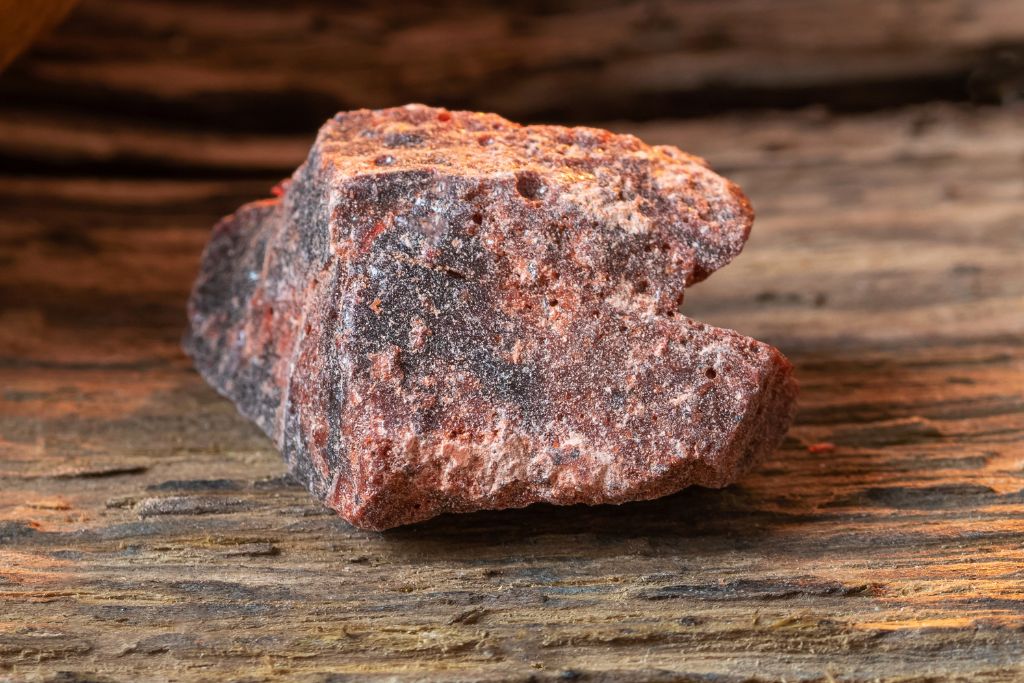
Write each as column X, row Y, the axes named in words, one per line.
column 445, row 311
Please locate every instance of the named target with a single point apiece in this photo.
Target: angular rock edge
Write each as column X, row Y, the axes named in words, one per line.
column 446, row 312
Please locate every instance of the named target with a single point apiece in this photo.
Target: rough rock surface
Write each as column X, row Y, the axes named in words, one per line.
column 446, row 311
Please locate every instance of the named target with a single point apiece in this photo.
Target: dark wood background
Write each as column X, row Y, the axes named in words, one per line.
column 147, row 532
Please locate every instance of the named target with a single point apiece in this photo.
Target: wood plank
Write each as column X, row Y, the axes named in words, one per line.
column 250, row 66
column 146, row 531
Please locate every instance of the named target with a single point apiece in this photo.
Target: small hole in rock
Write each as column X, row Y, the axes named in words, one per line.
column 478, row 218
column 553, row 302
column 710, row 373
column 530, row 185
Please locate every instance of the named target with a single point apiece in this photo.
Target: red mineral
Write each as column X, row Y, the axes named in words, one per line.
column 446, row 311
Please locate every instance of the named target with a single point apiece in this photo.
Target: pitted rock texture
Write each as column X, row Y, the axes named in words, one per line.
column 446, row 311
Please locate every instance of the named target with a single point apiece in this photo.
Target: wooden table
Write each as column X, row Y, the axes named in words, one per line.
column 887, row 261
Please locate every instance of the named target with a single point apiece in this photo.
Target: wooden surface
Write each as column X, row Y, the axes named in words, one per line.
column 254, row 66
column 145, row 530
column 147, row 533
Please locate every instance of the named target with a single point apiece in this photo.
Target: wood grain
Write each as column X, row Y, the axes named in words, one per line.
column 242, row 65
column 146, row 531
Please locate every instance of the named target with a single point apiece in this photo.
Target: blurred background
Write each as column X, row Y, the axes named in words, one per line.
column 130, row 75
